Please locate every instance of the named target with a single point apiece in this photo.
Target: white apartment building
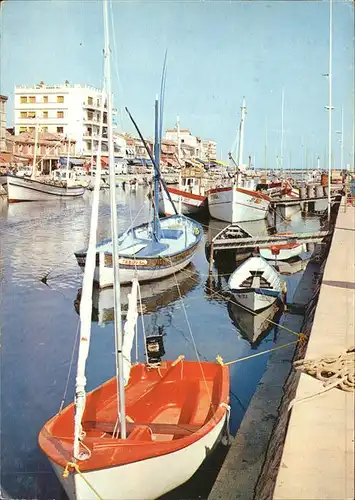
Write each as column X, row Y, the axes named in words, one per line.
column 208, row 150
column 71, row 110
column 186, row 138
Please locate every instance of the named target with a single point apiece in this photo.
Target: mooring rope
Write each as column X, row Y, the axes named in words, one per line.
column 333, row 371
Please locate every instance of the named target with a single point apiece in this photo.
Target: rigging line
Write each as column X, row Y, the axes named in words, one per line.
column 70, row 366
column 234, row 302
column 192, row 337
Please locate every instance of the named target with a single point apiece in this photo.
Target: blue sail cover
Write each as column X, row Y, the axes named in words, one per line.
column 72, row 161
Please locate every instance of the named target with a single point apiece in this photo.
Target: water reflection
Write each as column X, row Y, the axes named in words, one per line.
column 155, row 295
column 255, row 327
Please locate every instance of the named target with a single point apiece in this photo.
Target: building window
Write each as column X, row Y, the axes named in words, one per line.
column 90, row 116
column 23, row 99
column 44, row 129
column 60, row 98
column 45, row 99
column 32, row 99
column 45, row 114
column 23, row 114
column 23, row 129
column 90, row 101
column 60, row 114
column 31, row 129
column 60, row 130
column 31, row 114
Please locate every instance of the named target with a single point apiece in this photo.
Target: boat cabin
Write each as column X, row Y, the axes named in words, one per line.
column 191, row 180
column 62, row 174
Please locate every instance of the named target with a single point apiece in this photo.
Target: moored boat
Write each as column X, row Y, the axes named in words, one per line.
column 145, row 258
column 283, row 251
column 27, row 189
column 236, row 204
column 255, row 284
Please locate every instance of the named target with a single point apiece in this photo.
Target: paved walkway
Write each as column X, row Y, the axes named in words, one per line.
column 318, row 456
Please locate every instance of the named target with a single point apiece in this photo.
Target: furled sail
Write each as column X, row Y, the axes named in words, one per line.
column 129, row 330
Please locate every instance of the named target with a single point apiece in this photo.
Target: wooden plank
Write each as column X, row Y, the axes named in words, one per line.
column 227, row 243
column 156, row 428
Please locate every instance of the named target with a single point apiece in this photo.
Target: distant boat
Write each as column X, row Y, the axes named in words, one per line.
column 254, row 327
column 255, row 284
column 26, row 189
column 189, row 197
column 240, row 202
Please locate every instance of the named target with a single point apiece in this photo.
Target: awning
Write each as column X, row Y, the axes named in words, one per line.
column 72, row 161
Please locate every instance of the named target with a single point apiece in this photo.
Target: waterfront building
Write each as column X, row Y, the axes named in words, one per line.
column 208, row 150
column 50, row 148
column 3, row 100
column 186, row 139
column 70, row 110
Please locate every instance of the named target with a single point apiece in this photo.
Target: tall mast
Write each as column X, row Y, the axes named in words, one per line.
column 282, row 130
column 241, row 134
column 330, row 103
column 115, row 246
column 179, row 158
column 342, row 140
column 265, row 147
column 156, row 225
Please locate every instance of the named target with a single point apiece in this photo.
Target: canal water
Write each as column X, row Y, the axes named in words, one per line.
column 40, row 285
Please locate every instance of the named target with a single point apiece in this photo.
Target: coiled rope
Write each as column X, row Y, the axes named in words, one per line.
column 333, row 371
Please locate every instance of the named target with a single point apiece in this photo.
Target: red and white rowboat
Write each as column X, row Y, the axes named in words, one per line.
column 173, row 415
column 284, row 251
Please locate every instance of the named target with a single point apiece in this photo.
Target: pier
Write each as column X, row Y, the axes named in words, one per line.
column 306, row 453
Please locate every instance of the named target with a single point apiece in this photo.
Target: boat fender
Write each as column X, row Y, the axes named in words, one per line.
column 226, row 434
column 196, row 231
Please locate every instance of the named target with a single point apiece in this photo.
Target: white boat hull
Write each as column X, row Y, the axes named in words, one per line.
column 143, row 480
column 237, row 205
column 104, row 274
column 284, row 253
column 3, row 182
column 190, row 204
column 22, row 189
column 254, row 300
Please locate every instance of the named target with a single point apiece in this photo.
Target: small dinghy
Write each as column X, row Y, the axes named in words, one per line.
column 283, row 251
column 255, row 284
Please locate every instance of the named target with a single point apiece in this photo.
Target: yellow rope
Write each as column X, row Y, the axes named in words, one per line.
column 75, row 466
column 219, row 358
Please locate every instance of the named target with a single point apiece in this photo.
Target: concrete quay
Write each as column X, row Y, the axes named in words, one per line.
column 318, row 456
column 307, row 453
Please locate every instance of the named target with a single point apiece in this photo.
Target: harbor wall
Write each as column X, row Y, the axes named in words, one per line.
column 252, row 463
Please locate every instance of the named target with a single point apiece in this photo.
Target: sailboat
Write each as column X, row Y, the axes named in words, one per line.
column 154, row 249
column 238, row 203
column 148, row 429
column 33, row 189
column 255, row 284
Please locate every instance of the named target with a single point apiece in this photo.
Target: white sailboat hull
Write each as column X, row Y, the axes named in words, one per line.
column 22, row 189
column 190, row 203
column 143, row 480
column 237, row 205
column 254, row 300
column 104, row 274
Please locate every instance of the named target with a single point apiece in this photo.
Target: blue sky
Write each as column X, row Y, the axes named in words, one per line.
column 218, row 52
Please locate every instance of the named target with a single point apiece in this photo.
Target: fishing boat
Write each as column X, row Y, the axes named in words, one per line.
column 30, row 188
column 189, row 196
column 255, row 284
column 254, row 327
column 241, row 201
column 147, row 430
